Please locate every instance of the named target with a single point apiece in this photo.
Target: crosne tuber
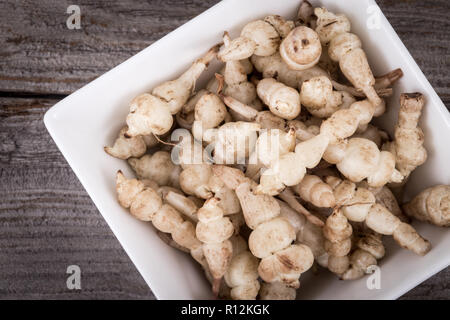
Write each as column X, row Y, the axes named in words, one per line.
column 307, row 232
column 337, row 232
column 408, row 144
column 314, row 190
column 260, row 37
column 157, row 167
column 351, row 157
column 272, row 235
column 283, row 101
column 318, row 97
column 359, row 205
column 152, row 113
column 301, row 49
column 242, row 273
column 125, row 146
column 431, row 205
column 209, row 113
column 359, row 158
column 369, row 249
column 345, row 47
column 214, row 230
column 274, row 67
column 146, row 205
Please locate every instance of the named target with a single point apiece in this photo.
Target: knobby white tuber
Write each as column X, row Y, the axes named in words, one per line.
column 318, row 97
column 209, row 113
column 408, row 144
column 146, row 205
column 257, row 37
column 431, row 205
column 236, row 84
column 260, row 37
column 359, row 205
column 272, row 235
column 358, row 159
column 307, row 232
column 125, row 146
column 214, row 230
column 242, row 274
column 283, row 101
column 301, row 49
column 337, row 232
column 369, row 249
column 314, row 190
column 345, row 47
column 158, row 167
column 274, row 67
column 152, row 113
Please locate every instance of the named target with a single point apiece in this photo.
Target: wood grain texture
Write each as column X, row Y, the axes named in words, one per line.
column 47, row 221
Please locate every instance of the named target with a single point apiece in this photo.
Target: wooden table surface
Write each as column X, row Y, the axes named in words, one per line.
column 47, row 220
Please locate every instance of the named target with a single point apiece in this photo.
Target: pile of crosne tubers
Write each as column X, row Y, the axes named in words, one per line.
column 276, row 165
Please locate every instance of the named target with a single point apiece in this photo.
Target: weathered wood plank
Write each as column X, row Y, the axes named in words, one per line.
column 40, row 54
column 47, row 220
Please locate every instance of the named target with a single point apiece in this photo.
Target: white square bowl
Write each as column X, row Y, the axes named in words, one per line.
column 90, row 118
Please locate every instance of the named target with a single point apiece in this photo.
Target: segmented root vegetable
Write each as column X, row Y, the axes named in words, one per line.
column 301, row 49
column 431, row 205
column 269, row 146
column 288, row 196
column 308, row 233
column 146, row 205
column 409, row 138
column 257, row 37
column 158, row 167
column 385, row 197
column 214, row 230
column 337, row 232
column 369, row 249
column 290, row 168
column 344, row 122
column 242, row 276
column 198, row 180
column 305, row 15
column 282, row 26
column 273, row 143
column 274, row 67
column 382, row 85
column 358, row 204
column 125, row 146
column 152, row 113
column 283, row 101
column 276, row 291
column 345, row 47
column 318, row 97
column 234, row 142
column 315, row 191
column 302, row 131
column 373, row 134
column 209, row 113
column 236, row 84
column 358, row 159
column 272, row 235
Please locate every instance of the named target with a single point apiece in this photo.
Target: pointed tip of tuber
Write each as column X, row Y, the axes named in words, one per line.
column 216, row 287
